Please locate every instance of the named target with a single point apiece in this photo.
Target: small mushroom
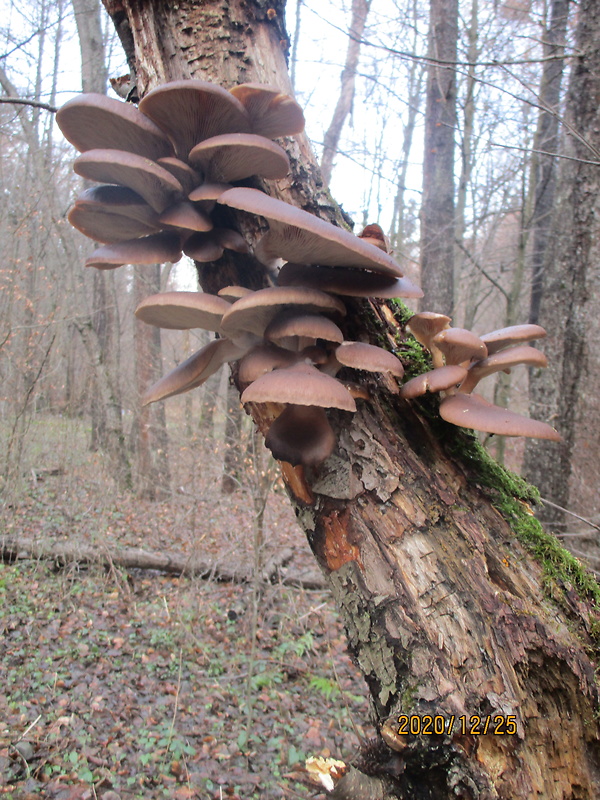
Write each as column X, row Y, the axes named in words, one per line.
column 206, row 194
column 502, row 360
column 296, row 330
column 183, row 310
column 459, row 345
column 154, row 249
column 235, row 156
column 424, row 326
column 301, row 384
column 185, row 215
column 233, row 293
column 106, row 226
column 192, row 372
column 254, row 312
column 157, row 186
column 264, row 358
column 189, row 111
column 271, row 113
column 368, row 357
column 295, row 235
column 301, row 435
column 514, row 334
column 374, row 234
column 189, row 178
column 436, row 380
column 473, row 411
column 93, row 121
column 203, row 247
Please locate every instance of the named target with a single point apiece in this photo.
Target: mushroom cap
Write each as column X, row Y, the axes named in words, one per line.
column 207, row 194
column 347, row 282
column 156, row 185
column 272, row 113
column 299, row 323
column 374, row 234
column 301, row 384
column 185, row 215
column 295, row 235
column 182, row 310
column 231, row 240
column 369, row 357
column 427, row 324
column 473, row 411
column 189, row 111
column 235, row 156
column 203, row 247
column 514, row 334
column 193, row 371
column 106, row 223
column 301, row 435
column 436, row 380
column 502, row 360
column 189, row 178
column 459, row 345
column 93, row 121
column 254, row 312
column 264, row 358
column 154, row 249
column 233, row 293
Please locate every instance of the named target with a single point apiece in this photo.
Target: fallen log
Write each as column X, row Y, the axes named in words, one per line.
column 66, row 552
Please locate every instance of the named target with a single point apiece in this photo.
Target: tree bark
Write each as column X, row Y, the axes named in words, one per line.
column 454, row 600
column 360, row 11
column 437, row 209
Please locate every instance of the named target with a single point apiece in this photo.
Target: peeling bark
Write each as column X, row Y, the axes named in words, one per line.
column 447, row 612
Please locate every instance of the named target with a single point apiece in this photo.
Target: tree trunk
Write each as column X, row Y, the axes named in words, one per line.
column 570, row 267
column 360, row 11
column 455, row 602
column 437, row 209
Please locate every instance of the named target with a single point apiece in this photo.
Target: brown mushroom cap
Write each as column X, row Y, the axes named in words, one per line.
column 233, row 293
column 374, row 234
column 301, row 384
column 436, row 380
column 271, row 113
column 189, row 178
column 231, row 240
column 424, row 326
column 235, row 156
column 503, row 360
column 185, row 215
column 189, row 111
column 301, row 435
column 182, row 310
column 192, row 372
column 473, row 411
column 302, row 325
column 459, row 345
column 264, row 358
column 203, row 247
column 360, row 355
column 94, row 121
column 118, row 200
column 347, row 282
column 254, row 312
column 157, row 186
column 207, row 193
column 108, row 226
column 155, row 249
column 295, row 235
column 514, row 334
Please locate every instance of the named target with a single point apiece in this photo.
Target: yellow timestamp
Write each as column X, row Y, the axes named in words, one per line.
column 475, row 725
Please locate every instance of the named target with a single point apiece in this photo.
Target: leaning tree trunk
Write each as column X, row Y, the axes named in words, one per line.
column 455, row 602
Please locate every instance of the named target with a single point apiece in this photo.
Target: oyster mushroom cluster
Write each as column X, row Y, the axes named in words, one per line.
column 461, row 359
column 163, row 167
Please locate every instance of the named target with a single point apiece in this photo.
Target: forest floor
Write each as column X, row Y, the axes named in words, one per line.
column 133, row 684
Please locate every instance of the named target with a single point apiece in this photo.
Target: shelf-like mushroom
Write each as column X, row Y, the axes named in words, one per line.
column 502, row 360
column 155, row 249
column 347, row 282
column 473, row 411
column 301, row 384
column 368, row 357
column 235, row 156
column 183, row 310
column 513, row 335
column 459, row 345
column 301, row 435
column 93, row 121
column 296, row 330
column 185, row 215
column 436, row 380
column 295, row 235
column 189, row 111
column 272, row 113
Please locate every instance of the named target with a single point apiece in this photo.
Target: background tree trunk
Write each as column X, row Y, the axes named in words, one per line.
column 449, row 609
column 571, row 260
column 437, row 209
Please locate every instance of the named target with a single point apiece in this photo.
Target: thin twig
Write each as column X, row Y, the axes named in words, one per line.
column 571, row 513
column 20, row 101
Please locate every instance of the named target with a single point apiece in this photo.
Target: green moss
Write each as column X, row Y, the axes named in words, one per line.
column 511, row 495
